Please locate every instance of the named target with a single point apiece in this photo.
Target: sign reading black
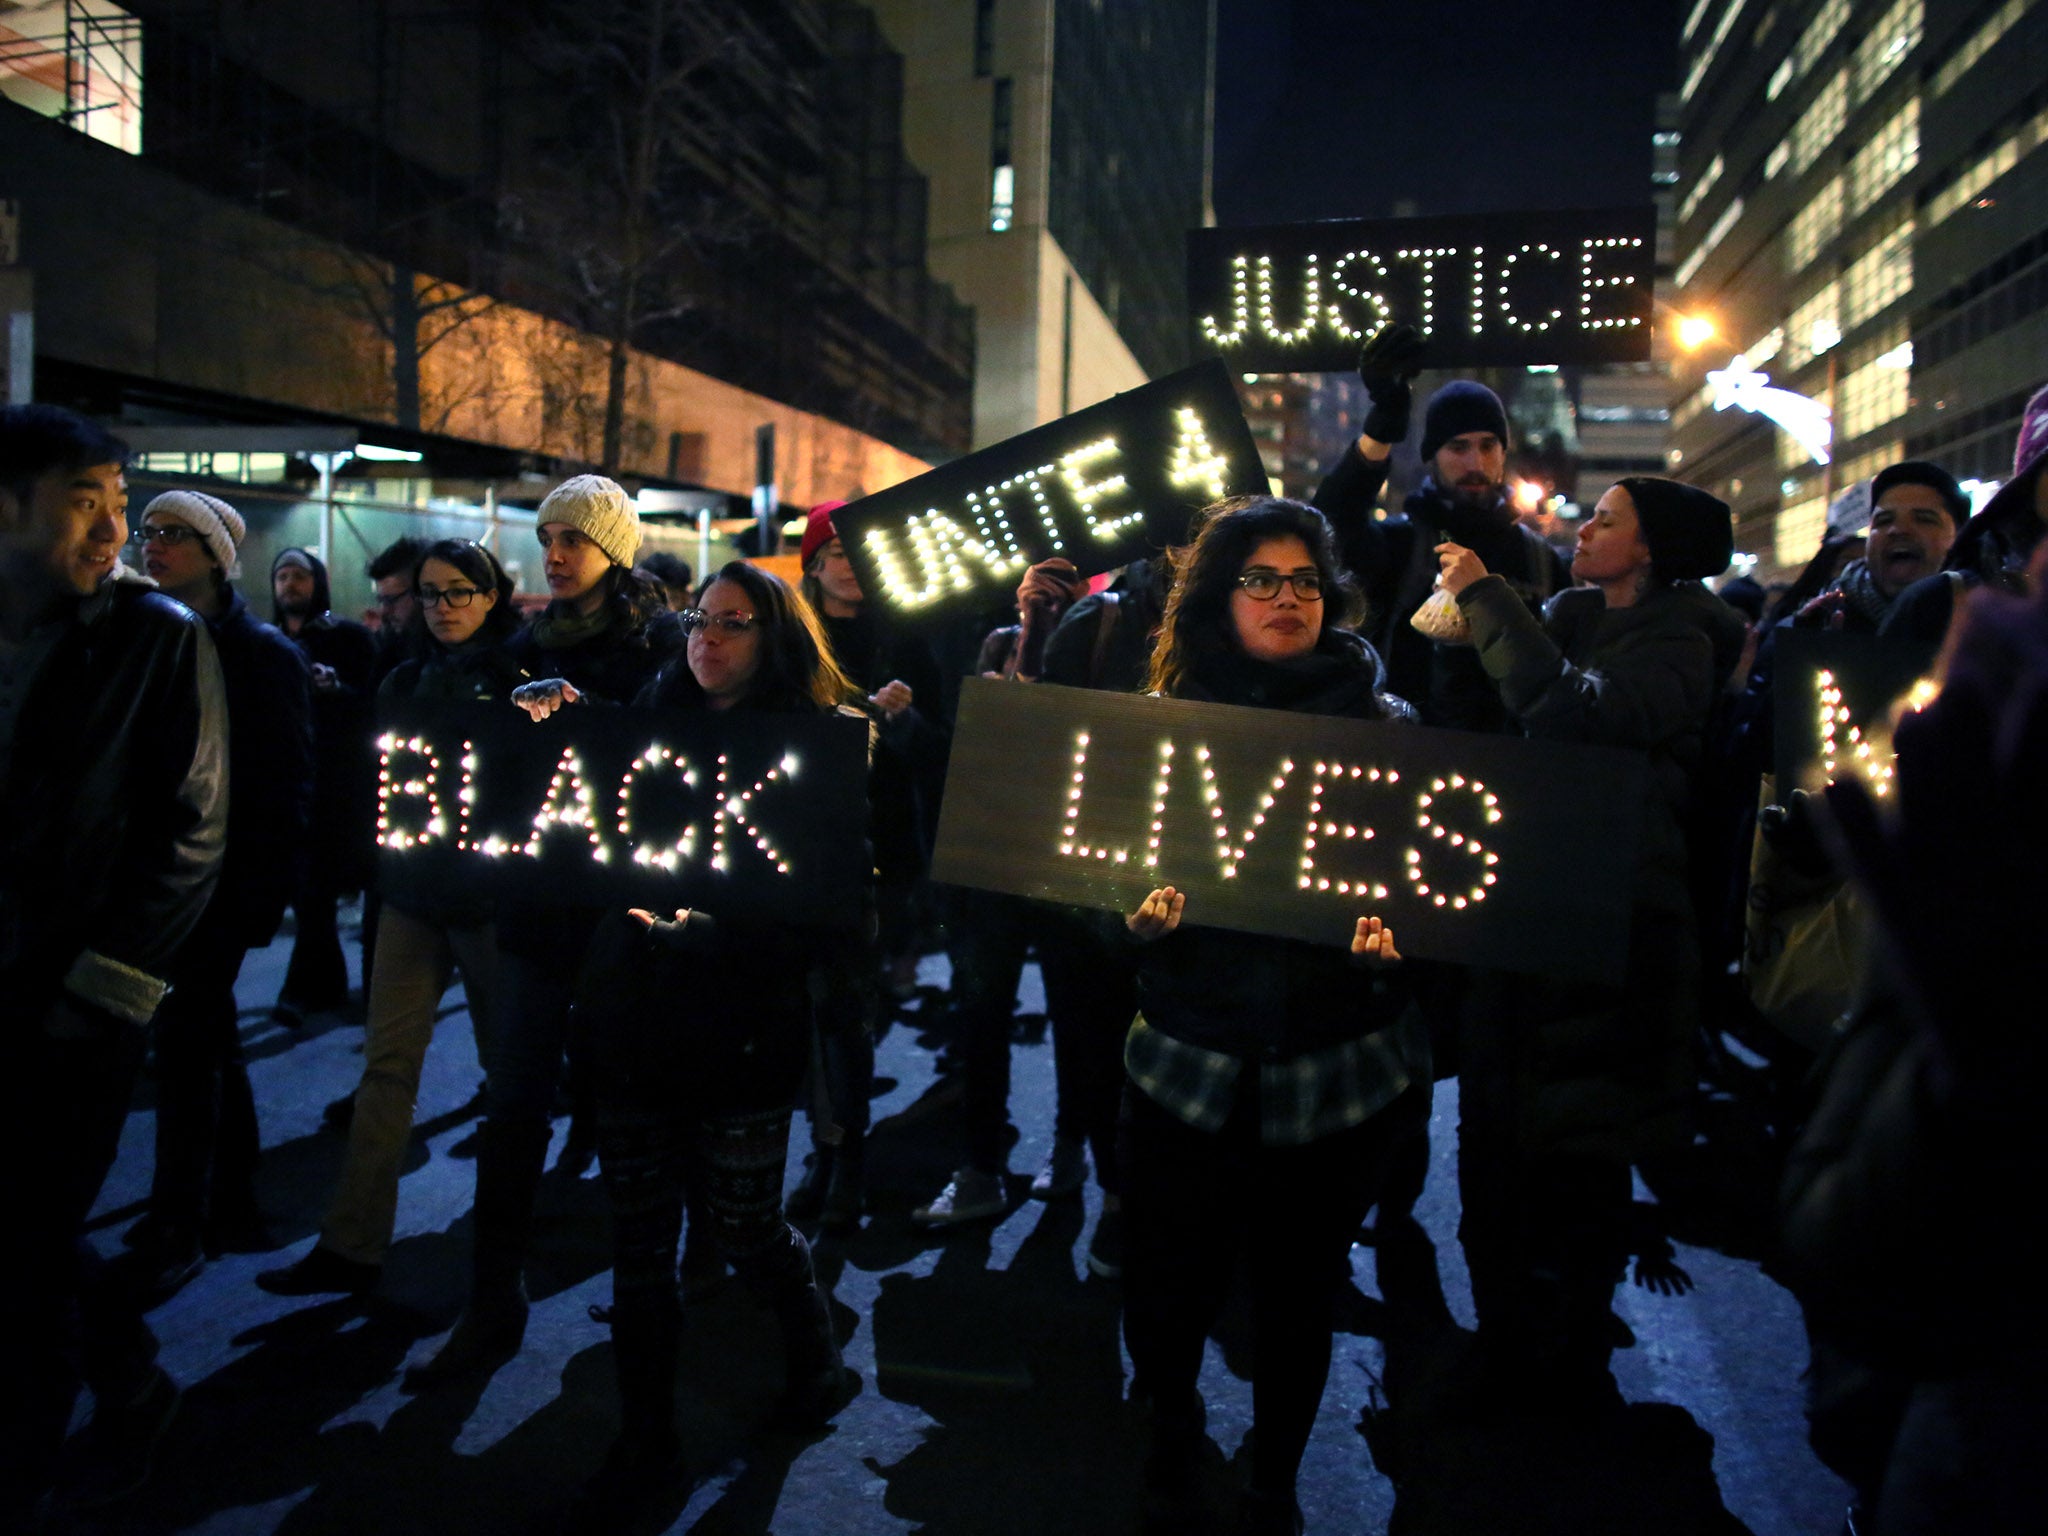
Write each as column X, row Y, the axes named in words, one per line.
column 732, row 812
column 1834, row 695
column 1485, row 290
column 1103, row 486
column 1486, row 850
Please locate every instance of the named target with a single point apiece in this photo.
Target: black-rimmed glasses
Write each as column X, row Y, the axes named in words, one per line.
column 1264, row 585
column 454, row 597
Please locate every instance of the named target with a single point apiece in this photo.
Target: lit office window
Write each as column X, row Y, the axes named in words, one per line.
column 1869, row 397
column 1825, row 27
column 79, row 61
column 1880, row 276
column 1690, row 267
column 1978, row 44
column 1002, row 182
column 1701, row 188
column 1891, row 152
column 1815, row 327
column 1887, row 45
column 1980, row 173
column 1795, row 537
column 1814, row 226
column 1821, row 123
column 1002, row 198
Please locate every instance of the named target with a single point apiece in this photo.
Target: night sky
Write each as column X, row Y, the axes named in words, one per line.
column 1339, row 108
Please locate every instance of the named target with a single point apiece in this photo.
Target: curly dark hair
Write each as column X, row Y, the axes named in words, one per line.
column 1197, row 622
column 796, row 670
column 485, row 574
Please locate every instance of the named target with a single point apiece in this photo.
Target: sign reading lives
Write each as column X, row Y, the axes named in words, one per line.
column 1485, row 290
column 1102, row 487
column 1486, row 850
column 1835, row 695
column 734, row 812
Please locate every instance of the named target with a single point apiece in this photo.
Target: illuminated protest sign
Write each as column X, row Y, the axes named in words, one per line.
column 1487, row 850
column 1835, row 698
column 733, row 812
column 1102, row 487
column 1485, row 290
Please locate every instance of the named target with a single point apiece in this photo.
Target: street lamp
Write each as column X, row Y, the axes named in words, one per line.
column 1695, row 331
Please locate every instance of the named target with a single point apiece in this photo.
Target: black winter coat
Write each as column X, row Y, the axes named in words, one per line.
column 1251, row 995
column 270, row 772
column 1394, row 562
column 909, row 769
column 342, row 847
column 1081, row 654
column 117, row 795
column 1598, row 1070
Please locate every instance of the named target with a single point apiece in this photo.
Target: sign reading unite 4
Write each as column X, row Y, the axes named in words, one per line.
column 1102, row 487
column 1486, row 850
column 1494, row 289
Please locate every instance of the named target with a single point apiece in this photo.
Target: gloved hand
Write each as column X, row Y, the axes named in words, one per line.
column 1790, row 830
column 1387, row 365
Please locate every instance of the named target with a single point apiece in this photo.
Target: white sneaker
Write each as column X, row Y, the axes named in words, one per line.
column 971, row 1196
column 1065, row 1170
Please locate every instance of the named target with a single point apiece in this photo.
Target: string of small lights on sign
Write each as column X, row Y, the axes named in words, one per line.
column 1254, row 314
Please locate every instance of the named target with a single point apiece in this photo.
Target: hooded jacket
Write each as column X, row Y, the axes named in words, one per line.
column 117, row 789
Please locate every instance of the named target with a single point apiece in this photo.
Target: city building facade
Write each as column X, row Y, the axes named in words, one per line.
column 1860, row 213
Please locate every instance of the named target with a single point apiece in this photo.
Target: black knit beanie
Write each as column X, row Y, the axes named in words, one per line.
column 1690, row 534
column 1933, row 476
column 1461, row 406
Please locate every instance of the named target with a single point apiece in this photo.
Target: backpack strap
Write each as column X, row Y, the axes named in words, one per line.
column 1105, row 629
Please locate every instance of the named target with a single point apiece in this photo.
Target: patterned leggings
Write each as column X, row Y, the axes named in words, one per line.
column 734, row 1163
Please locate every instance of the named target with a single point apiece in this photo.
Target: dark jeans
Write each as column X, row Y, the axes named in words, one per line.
column 207, row 1139
column 1090, row 997
column 1193, row 1202
column 64, row 1104
column 537, row 983
column 318, row 974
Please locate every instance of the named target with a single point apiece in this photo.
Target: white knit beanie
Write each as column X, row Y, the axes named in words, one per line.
column 219, row 524
column 599, row 508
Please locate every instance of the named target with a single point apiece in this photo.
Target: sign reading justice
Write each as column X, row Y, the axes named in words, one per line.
column 732, row 812
column 1486, row 850
column 1484, row 290
column 1102, row 487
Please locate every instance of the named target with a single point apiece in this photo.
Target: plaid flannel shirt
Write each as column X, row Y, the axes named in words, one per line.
column 1302, row 1099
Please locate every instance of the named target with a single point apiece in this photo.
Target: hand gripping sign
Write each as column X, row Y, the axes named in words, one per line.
column 733, row 812
column 1102, row 487
column 1484, row 290
column 1485, row 850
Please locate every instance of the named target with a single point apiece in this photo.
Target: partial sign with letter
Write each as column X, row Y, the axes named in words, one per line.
column 1102, row 487
column 734, row 812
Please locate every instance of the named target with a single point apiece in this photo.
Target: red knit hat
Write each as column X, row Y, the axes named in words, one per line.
column 818, row 532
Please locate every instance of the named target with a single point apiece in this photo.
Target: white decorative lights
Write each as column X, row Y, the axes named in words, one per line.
column 1195, row 463
column 569, row 804
column 1229, row 854
column 650, row 854
column 1087, row 493
column 1489, row 803
column 390, row 748
column 1327, row 775
column 732, row 810
column 1345, row 298
column 1841, row 738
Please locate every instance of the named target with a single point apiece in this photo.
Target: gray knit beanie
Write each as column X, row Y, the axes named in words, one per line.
column 219, row 524
column 600, row 509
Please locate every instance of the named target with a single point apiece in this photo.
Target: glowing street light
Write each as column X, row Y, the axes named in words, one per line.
column 1695, row 331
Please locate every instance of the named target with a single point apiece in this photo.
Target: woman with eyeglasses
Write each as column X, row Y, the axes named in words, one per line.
column 698, row 1030
column 604, row 633
column 1267, row 1078
column 463, row 618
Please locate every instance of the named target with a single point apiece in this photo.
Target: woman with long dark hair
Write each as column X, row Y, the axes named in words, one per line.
column 1263, row 1073
column 698, row 1030
column 604, row 634
column 457, row 642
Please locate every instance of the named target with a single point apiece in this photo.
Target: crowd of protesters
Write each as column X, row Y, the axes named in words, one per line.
column 181, row 774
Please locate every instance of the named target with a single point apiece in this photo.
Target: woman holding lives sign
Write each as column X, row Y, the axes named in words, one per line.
column 463, row 617
column 1564, row 1085
column 699, row 1032
column 601, row 638
column 1267, row 1078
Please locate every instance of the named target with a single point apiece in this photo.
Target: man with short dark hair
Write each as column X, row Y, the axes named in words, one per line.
column 391, row 571
column 113, row 758
column 674, row 575
column 1462, row 500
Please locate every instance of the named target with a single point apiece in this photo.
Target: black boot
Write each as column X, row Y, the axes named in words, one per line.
column 819, row 1383
column 647, row 1458
column 510, row 1158
column 846, row 1192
